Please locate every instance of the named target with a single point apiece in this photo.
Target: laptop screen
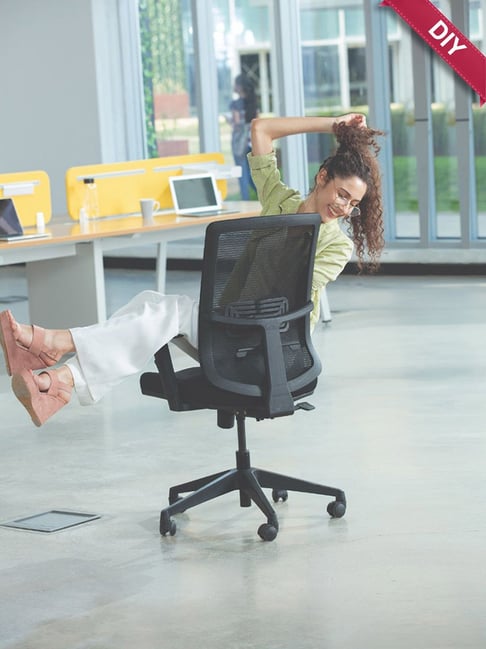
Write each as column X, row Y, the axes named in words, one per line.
column 10, row 227
column 194, row 193
column 9, row 220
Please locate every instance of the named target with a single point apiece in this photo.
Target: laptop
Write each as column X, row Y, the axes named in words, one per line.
column 196, row 195
column 10, row 226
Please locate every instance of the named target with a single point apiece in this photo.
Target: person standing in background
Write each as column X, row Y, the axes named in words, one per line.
column 243, row 110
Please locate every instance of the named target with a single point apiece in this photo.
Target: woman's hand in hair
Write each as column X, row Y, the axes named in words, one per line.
column 353, row 119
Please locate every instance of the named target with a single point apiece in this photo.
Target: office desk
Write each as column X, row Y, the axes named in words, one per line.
column 65, row 274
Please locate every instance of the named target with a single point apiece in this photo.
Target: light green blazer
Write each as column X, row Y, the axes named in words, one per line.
column 334, row 248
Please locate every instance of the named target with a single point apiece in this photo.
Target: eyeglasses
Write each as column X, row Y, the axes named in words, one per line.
column 353, row 210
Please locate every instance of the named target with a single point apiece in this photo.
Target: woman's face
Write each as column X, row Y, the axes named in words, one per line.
column 336, row 197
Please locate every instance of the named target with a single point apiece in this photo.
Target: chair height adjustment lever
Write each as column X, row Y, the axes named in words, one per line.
column 304, row 405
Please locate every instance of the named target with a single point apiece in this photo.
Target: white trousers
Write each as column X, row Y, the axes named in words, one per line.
column 108, row 352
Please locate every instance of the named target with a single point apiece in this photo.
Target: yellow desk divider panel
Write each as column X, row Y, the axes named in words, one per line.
column 121, row 185
column 30, row 192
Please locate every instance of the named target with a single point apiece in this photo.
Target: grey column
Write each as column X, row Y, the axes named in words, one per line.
column 206, row 75
column 379, row 101
column 465, row 143
column 421, row 70
column 290, row 90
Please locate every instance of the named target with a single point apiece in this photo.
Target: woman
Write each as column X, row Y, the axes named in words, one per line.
column 243, row 111
column 347, row 186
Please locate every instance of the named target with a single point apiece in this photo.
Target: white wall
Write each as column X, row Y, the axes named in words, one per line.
column 49, row 116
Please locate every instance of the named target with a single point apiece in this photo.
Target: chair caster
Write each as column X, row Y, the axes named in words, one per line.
column 336, row 509
column 167, row 525
column 279, row 494
column 267, row 532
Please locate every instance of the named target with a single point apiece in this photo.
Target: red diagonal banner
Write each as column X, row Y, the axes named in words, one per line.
column 445, row 39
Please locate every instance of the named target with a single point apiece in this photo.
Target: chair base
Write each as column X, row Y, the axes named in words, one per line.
column 250, row 483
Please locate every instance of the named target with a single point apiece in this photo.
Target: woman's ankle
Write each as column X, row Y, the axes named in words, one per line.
column 59, row 341
column 63, row 374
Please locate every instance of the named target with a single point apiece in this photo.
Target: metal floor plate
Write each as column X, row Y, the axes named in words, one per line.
column 51, row 521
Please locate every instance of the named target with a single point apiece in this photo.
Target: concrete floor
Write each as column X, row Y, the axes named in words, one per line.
column 399, row 425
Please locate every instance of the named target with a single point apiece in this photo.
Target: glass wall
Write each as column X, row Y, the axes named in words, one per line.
column 450, row 140
column 333, row 52
column 241, row 31
column 334, row 66
column 477, row 32
column 445, row 160
column 445, row 147
column 403, row 132
column 334, row 46
column 167, row 45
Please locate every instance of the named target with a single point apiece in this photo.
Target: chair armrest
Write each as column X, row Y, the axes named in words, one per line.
column 279, row 399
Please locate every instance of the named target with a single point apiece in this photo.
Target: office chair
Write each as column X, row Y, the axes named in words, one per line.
column 255, row 353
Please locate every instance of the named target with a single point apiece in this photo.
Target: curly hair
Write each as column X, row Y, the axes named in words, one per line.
column 356, row 156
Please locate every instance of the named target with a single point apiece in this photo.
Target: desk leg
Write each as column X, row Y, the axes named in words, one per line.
column 160, row 267
column 69, row 291
column 325, row 308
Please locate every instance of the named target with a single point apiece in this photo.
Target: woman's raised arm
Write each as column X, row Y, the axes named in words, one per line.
column 265, row 130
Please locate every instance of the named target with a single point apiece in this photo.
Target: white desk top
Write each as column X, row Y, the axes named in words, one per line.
column 72, row 232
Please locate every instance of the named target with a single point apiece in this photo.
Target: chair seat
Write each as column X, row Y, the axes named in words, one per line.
column 197, row 393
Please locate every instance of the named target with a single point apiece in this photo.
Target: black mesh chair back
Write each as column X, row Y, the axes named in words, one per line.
column 255, row 307
column 256, row 355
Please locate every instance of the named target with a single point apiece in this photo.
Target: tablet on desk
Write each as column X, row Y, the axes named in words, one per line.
column 10, row 227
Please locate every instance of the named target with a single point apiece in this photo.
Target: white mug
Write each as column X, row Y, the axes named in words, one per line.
column 148, row 206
